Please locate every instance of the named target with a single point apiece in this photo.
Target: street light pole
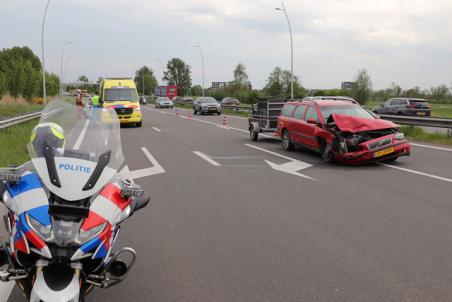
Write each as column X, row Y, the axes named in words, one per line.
column 44, row 95
column 163, row 68
column 291, row 47
column 65, row 73
column 202, row 61
column 66, row 42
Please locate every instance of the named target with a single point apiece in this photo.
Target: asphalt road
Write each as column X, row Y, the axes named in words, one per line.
column 223, row 225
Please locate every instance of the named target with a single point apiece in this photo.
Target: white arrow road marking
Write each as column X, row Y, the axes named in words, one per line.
column 155, row 169
column 207, row 158
column 290, row 167
column 417, row 172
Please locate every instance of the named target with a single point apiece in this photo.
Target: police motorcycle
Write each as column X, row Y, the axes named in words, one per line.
column 65, row 207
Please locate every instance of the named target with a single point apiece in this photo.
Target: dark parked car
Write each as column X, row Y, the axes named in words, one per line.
column 404, row 106
column 178, row 100
column 206, row 105
column 230, row 101
column 143, row 100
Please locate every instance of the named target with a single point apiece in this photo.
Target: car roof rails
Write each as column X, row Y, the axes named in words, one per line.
column 315, row 99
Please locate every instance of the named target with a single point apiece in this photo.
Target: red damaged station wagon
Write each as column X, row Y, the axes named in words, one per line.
column 340, row 130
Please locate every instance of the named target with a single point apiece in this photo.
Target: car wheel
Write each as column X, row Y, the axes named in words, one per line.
column 194, row 111
column 286, row 142
column 219, row 113
column 253, row 134
column 200, row 112
column 325, row 152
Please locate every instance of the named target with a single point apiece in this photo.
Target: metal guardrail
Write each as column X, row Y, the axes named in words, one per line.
column 402, row 120
column 419, row 121
column 19, row 119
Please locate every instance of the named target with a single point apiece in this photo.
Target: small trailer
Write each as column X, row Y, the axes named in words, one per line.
column 264, row 116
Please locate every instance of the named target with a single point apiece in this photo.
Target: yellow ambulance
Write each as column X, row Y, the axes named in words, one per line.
column 121, row 95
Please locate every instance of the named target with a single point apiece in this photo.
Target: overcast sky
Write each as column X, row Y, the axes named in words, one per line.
column 404, row 41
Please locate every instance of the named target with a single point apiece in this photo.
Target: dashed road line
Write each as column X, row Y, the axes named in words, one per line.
column 207, row 158
column 417, row 172
column 431, row 147
column 156, row 129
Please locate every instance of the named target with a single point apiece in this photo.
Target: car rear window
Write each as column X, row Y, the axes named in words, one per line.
column 419, row 102
column 287, row 110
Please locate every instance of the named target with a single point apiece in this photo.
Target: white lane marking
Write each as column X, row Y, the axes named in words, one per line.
column 155, row 169
column 417, row 172
column 79, row 141
column 5, row 290
column 235, row 157
column 156, row 129
column 431, row 147
column 217, row 125
column 290, row 167
column 207, row 158
column 271, row 152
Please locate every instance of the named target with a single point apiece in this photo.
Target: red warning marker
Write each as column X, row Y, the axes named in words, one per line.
column 177, row 112
column 189, row 116
column 225, row 121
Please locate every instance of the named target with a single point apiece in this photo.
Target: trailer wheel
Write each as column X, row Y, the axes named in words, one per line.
column 253, row 134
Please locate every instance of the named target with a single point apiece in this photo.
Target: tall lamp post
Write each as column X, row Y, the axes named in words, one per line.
column 291, row 47
column 66, row 42
column 65, row 73
column 202, row 61
column 44, row 95
column 163, row 68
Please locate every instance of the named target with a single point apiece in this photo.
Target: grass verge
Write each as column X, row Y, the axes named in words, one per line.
column 417, row 134
column 13, row 143
column 10, row 110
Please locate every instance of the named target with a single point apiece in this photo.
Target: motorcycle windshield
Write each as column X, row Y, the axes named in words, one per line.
column 76, row 150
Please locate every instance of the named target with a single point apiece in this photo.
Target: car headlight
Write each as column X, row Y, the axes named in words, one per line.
column 45, row 232
column 85, row 236
column 399, row 136
column 137, row 109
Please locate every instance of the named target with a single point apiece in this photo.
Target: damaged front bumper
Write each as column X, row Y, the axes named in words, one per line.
column 388, row 152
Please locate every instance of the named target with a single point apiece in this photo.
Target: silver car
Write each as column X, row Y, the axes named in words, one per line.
column 206, row 105
column 163, row 102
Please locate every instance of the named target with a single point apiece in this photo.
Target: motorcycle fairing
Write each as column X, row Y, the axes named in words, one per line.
column 108, row 207
column 27, row 197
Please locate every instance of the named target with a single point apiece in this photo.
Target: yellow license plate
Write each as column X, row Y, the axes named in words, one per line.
column 384, row 152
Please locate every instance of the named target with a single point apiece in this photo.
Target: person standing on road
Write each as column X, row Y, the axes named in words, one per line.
column 79, row 103
column 95, row 100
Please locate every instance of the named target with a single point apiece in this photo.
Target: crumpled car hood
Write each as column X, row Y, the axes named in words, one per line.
column 353, row 124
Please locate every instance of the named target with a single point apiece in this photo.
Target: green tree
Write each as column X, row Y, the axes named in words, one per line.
column 196, row 90
column 150, row 82
column 240, row 76
column 178, row 73
column 99, row 80
column 279, row 84
column 2, row 84
column 439, row 93
column 83, row 79
column 362, row 90
column 31, row 81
